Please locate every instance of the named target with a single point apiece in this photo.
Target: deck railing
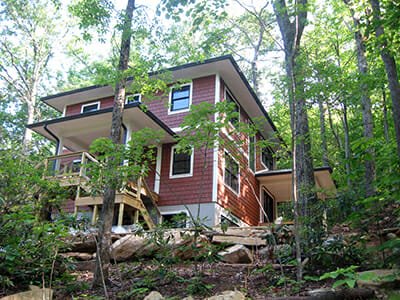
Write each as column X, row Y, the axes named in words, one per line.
column 69, row 165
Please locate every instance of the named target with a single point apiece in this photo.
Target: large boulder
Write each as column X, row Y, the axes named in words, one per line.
column 131, row 246
column 378, row 278
column 35, row 293
column 237, row 254
column 228, row 295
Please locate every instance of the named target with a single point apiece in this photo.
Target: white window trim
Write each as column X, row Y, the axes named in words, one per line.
column 237, row 193
column 172, row 161
column 237, row 103
column 172, row 112
column 133, row 95
column 176, row 212
column 88, row 104
column 255, row 154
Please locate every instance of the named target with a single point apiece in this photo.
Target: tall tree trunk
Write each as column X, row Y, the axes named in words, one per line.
column 30, row 118
column 303, row 193
column 322, row 130
column 332, row 127
column 107, row 210
column 385, row 117
column 390, row 68
column 347, row 148
column 362, row 64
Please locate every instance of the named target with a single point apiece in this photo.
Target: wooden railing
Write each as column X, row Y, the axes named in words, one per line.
column 68, row 165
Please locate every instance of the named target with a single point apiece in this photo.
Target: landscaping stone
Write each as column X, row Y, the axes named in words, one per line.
column 237, row 254
column 35, row 293
column 154, row 296
column 80, row 256
column 228, row 295
column 130, row 246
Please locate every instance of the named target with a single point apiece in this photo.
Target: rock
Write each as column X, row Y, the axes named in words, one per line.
column 230, row 239
column 322, row 293
column 228, row 295
column 154, row 296
column 35, row 293
column 391, row 236
column 188, row 298
column 130, row 246
column 378, row 278
column 83, row 243
column 88, row 265
column 81, row 256
column 236, row 254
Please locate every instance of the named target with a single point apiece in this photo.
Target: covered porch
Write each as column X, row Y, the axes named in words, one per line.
column 276, row 189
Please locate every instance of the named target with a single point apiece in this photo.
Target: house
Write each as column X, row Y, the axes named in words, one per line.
column 230, row 191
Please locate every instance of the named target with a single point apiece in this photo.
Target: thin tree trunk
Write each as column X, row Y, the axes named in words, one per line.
column 390, row 68
column 347, row 148
column 385, row 117
column 332, row 127
column 107, row 210
column 362, row 64
column 30, row 118
column 322, row 130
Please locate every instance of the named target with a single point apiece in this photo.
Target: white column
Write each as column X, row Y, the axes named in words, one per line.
column 158, row 170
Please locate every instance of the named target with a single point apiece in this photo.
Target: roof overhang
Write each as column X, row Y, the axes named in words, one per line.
column 79, row 131
column 279, row 183
column 225, row 66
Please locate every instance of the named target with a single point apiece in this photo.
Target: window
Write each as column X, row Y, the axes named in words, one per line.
column 136, row 98
column 235, row 119
column 180, row 98
column 252, row 152
column 267, row 158
column 181, row 163
column 177, row 220
column 90, row 107
column 231, row 173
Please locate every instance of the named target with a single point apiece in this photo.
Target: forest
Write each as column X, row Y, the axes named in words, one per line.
column 325, row 71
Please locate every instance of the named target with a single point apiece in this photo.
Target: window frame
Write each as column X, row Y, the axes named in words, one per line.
column 171, row 164
column 176, row 212
column 170, row 111
column 89, row 104
column 254, row 153
column 261, row 158
column 227, row 91
column 133, row 95
column 227, row 153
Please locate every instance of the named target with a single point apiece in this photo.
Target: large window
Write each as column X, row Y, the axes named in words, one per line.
column 235, row 119
column 231, row 173
column 90, row 107
column 267, row 158
column 180, row 98
column 252, row 153
column 181, row 163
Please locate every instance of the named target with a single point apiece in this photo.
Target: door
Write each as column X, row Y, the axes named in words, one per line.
column 268, row 207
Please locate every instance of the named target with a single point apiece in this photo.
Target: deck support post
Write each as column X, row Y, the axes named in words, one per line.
column 136, row 217
column 95, row 213
column 121, row 214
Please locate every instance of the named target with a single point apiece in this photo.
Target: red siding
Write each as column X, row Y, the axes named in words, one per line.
column 76, row 108
column 203, row 90
column 187, row 190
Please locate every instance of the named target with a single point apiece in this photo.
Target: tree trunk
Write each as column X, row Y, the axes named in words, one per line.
column 347, row 148
column 322, row 130
column 365, row 107
column 107, row 211
column 30, row 118
column 385, row 117
column 390, row 68
column 332, row 127
column 303, row 193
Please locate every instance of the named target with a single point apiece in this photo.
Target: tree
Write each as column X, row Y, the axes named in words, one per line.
column 28, row 37
column 302, row 172
column 390, row 67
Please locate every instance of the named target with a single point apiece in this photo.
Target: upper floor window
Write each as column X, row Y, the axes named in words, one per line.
column 180, row 98
column 90, row 107
column 236, row 109
column 135, row 98
column 181, row 163
column 231, row 173
column 267, row 158
column 252, row 153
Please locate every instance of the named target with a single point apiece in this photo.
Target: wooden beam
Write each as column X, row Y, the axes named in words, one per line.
column 95, row 212
column 121, row 214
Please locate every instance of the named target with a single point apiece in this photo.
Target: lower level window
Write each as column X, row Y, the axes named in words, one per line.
column 231, row 173
column 175, row 220
column 181, row 163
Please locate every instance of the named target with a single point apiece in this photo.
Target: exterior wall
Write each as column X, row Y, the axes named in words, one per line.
column 206, row 212
column 76, row 108
column 203, row 90
column 186, row 190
